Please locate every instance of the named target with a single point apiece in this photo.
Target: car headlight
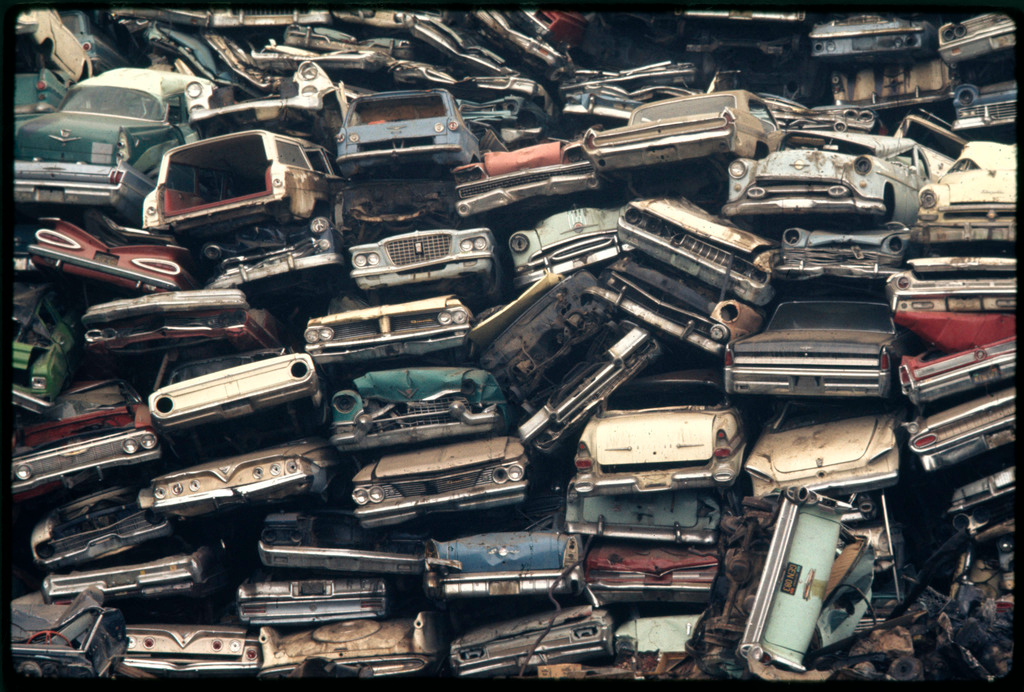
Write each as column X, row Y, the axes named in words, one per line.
column 737, row 169
column 444, row 317
column 466, row 245
column 360, row 496
column 515, row 472
column 23, row 473
column 130, row 446
column 311, row 335
column 459, row 316
column 438, row 128
column 862, row 165
column 193, row 90
column 373, row 259
column 39, row 382
column 325, row 333
column 359, row 260
column 928, row 199
column 148, row 441
column 376, row 494
column 308, row 71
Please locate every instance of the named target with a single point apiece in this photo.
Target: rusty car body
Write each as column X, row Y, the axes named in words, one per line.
column 965, row 430
column 179, row 650
column 312, row 601
column 936, row 375
column 634, row 573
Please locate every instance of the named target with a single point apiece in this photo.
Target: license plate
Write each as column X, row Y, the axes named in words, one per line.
column 965, row 304
column 504, row 588
column 106, row 258
column 49, row 194
column 985, row 375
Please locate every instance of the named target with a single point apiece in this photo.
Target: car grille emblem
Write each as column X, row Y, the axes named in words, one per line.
column 799, row 164
column 65, row 137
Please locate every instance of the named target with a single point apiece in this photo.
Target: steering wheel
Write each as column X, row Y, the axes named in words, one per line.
column 48, row 636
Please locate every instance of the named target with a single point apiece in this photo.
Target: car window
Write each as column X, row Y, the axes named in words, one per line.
column 964, row 165
column 761, row 112
column 291, row 155
column 709, row 105
column 798, row 414
column 105, row 100
column 811, row 315
column 319, row 162
column 391, row 110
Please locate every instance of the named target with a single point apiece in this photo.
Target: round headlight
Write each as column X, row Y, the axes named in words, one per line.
column 928, row 199
column 438, row 128
column 360, row 496
column 719, row 332
column 453, row 125
column 130, row 446
column 479, row 243
column 325, row 333
column 308, row 71
column 343, row 403
column 193, row 90
column 148, row 441
column 311, row 335
column 791, row 236
column 359, row 260
column 376, row 494
column 444, row 317
column 459, row 316
column 862, row 165
column 515, row 472
column 466, row 245
column 353, row 138
column 518, row 242
column 373, row 259
column 23, row 473
column 737, row 169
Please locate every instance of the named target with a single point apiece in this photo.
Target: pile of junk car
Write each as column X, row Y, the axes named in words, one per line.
column 513, row 342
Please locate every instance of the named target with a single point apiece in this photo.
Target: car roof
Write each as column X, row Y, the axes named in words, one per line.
column 157, row 82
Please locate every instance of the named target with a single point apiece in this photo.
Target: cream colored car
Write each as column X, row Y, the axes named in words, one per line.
column 975, row 200
column 662, row 433
column 844, row 447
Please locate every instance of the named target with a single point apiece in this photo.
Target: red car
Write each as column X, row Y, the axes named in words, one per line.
column 91, row 428
column 637, row 572
column 151, row 268
column 934, row 375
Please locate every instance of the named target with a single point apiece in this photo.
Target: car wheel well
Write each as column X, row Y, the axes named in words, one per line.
column 761, row 150
column 889, row 199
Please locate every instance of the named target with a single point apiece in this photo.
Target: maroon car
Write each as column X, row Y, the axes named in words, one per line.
column 162, row 321
column 934, row 374
column 91, row 428
column 65, row 247
column 634, row 572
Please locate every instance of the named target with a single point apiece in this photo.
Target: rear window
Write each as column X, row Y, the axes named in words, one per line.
column 370, row 112
column 705, row 105
column 863, row 317
column 107, row 100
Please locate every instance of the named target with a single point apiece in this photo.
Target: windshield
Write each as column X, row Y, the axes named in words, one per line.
column 109, row 100
column 88, row 399
column 864, row 317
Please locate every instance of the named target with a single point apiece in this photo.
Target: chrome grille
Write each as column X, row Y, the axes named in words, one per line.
column 414, row 414
column 425, row 248
column 356, row 330
column 965, row 425
column 93, row 454
column 474, row 189
column 437, row 486
column 420, row 320
column 691, row 244
column 849, row 256
column 127, row 527
column 992, row 111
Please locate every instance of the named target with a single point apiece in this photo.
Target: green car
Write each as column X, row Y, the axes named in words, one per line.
column 47, row 344
column 104, row 144
column 402, row 407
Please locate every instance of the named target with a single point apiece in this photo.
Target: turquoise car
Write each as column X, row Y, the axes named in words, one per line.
column 401, row 407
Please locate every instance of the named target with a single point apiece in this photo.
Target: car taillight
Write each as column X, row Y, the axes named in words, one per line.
column 583, row 460
column 589, row 140
column 883, row 361
column 40, row 85
column 904, row 374
column 722, row 448
column 87, row 46
column 116, row 176
column 728, row 355
column 924, row 440
column 728, row 116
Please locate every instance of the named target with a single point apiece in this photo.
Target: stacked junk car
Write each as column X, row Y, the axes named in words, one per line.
column 513, row 343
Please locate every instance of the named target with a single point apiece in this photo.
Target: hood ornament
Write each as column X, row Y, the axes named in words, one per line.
column 65, row 137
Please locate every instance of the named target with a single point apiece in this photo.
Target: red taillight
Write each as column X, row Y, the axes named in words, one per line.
column 583, row 460
column 924, row 440
column 87, row 46
column 728, row 356
column 904, row 374
column 250, row 654
column 903, row 282
column 116, row 176
column 589, row 140
column 728, row 116
column 722, row 448
column 883, row 361
column 40, row 85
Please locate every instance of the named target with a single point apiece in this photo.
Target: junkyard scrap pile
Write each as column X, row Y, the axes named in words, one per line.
column 686, row 338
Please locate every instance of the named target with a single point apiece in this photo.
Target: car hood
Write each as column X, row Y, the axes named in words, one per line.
column 419, row 384
column 795, row 452
column 824, row 340
column 981, row 186
column 653, row 436
column 451, row 458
